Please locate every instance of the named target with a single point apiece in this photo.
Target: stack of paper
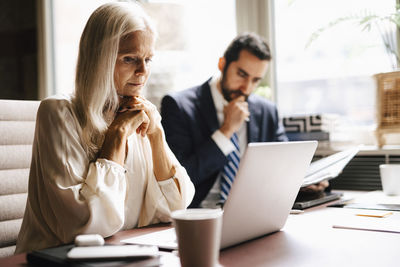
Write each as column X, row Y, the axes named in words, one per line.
column 165, row 239
column 328, row 167
column 381, row 221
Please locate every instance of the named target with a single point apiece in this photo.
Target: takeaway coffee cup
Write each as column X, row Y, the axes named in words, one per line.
column 390, row 178
column 198, row 232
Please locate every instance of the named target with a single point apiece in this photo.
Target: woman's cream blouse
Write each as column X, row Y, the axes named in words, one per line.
column 68, row 195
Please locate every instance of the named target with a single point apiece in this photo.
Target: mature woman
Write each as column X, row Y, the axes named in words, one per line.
column 100, row 162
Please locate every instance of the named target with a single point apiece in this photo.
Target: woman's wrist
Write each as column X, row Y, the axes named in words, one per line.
column 156, row 136
column 114, row 146
column 163, row 167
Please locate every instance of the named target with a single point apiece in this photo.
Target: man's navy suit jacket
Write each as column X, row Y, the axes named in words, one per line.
column 189, row 119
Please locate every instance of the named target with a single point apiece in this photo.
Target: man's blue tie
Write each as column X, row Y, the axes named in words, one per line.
column 230, row 169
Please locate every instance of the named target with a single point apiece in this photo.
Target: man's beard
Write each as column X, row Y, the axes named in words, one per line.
column 230, row 94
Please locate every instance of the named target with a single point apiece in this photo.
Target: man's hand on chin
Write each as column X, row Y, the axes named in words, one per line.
column 315, row 188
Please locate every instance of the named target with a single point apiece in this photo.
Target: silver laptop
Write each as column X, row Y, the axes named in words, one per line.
column 262, row 195
column 266, row 185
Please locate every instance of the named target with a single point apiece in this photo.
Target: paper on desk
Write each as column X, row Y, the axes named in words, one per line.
column 375, row 200
column 376, row 197
column 389, row 224
column 165, row 239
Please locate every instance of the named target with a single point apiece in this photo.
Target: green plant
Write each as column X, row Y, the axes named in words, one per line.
column 264, row 91
column 386, row 24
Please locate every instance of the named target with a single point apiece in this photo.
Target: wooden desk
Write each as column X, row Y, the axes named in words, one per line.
column 307, row 239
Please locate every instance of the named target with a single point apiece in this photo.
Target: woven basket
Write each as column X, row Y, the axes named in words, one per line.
column 388, row 104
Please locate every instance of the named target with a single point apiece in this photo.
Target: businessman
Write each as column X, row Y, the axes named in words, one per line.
column 209, row 126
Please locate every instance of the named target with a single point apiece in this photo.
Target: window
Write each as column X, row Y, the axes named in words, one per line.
column 192, row 36
column 69, row 19
column 335, row 73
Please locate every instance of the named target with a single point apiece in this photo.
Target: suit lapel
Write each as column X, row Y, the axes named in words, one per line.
column 206, row 107
column 253, row 126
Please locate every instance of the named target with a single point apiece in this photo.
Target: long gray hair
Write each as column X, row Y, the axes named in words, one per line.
column 96, row 99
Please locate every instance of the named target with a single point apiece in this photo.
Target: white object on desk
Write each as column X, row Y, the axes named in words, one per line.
column 165, row 239
column 111, row 252
column 389, row 224
column 89, row 240
column 390, row 178
column 295, row 211
column 376, row 197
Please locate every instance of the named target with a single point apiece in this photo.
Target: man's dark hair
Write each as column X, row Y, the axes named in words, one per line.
column 251, row 42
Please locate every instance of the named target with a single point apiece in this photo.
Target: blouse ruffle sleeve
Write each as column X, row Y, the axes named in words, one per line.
column 68, row 195
column 104, row 190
